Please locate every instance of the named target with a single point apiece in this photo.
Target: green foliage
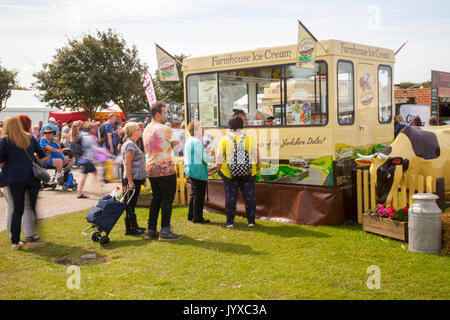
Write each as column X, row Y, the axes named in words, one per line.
column 8, row 81
column 170, row 91
column 91, row 72
column 406, row 85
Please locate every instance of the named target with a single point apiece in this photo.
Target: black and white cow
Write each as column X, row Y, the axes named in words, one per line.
column 415, row 151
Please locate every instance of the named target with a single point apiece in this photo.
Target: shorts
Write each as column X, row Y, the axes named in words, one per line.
column 49, row 163
column 88, row 167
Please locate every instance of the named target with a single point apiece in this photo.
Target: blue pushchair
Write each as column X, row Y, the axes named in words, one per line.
column 104, row 216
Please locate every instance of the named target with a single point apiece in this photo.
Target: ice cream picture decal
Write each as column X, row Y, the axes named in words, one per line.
column 167, row 65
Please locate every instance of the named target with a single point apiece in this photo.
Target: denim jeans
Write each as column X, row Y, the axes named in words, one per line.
column 232, row 186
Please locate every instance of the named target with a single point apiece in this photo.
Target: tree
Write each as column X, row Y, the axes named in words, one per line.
column 8, row 81
column 170, row 91
column 90, row 73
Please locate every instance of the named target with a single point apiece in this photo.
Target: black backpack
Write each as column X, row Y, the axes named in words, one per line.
column 77, row 147
column 239, row 163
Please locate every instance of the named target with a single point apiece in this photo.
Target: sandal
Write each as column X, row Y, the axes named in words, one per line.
column 83, row 197
column 18, row 246
column 33, row 238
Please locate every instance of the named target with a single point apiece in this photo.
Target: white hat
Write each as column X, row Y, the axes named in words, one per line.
column 51, row 119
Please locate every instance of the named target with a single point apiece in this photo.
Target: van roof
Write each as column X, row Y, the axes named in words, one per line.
column 285, row 54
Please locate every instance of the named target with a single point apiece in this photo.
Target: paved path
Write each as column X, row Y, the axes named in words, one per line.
column 55, row 202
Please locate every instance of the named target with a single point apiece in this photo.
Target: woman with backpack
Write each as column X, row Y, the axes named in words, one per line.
column 237, row 163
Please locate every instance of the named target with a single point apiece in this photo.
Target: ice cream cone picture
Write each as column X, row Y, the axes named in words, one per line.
column 365, row 82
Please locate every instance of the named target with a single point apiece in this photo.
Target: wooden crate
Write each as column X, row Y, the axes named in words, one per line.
column 385, row 227
column 144, row 200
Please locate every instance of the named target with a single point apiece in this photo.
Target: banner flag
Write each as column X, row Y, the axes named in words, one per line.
column 306, row 48
column 167, row 65
column 149, row 91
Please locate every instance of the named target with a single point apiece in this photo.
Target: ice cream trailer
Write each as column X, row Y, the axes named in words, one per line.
column 310, row 124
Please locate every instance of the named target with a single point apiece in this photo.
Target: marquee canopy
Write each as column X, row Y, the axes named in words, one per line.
column 84, row 116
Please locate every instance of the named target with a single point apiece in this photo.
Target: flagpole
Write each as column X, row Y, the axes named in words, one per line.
column 325, row 49
column 400, row 48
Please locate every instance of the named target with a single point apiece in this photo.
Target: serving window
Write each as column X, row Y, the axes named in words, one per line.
column 275, row 96
column 306, row 97
column 346, row 98
column 384, row 94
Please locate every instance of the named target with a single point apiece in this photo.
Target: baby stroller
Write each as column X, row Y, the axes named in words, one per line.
column 104, row 216
column 67, row 181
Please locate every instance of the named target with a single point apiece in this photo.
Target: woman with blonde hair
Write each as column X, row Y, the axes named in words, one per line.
column 134, row 175
column 17, row 149
column 28, row 218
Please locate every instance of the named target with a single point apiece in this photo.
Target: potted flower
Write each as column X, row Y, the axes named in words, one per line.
column 387, row 221
column 145, row 197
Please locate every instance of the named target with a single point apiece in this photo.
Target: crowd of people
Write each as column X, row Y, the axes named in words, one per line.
column 146, row 150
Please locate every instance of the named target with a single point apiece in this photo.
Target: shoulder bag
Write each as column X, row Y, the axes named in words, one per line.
column 38, row 172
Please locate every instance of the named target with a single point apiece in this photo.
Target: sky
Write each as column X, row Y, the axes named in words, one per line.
column 31, row 31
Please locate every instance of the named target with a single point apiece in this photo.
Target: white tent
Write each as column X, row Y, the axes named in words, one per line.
column 26, row 102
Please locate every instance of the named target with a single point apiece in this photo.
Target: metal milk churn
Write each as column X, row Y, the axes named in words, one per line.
column 424, row 224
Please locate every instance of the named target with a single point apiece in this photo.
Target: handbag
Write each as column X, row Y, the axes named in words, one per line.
column 38, row 172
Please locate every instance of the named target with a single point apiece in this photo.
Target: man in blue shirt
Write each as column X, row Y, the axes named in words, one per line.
column 109, row 133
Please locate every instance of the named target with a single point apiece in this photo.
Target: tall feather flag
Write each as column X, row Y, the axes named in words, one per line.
column 149, row 90
column 306, row 48
column 167, row 65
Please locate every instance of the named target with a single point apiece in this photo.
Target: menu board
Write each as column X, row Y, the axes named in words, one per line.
column 208, row 102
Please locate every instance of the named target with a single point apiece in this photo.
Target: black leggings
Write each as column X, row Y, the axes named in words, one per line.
column 133, row 201
column 163, row 189
column 197, row 200
column 18, row 191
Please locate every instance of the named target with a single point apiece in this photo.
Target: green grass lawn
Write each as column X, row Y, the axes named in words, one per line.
column 271, row 261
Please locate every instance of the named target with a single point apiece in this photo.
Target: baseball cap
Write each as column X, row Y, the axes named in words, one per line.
column 51, row 119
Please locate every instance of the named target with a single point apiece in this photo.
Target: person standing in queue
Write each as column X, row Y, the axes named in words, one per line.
column 17, row 172
column 228, row 145
column 196, row 168
column 28, row 218
column 159, row 143
column 134, row 175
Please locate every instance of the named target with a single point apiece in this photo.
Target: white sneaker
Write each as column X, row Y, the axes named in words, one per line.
column 251, row 225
